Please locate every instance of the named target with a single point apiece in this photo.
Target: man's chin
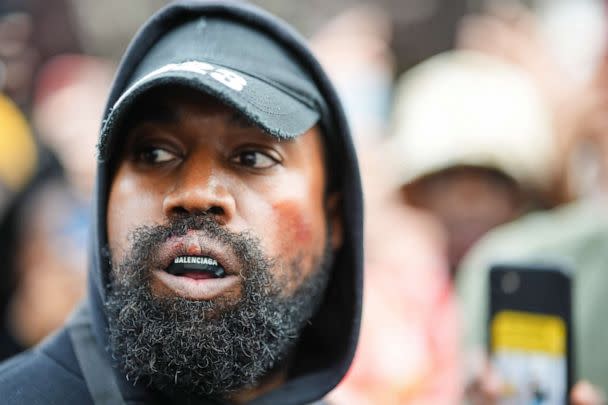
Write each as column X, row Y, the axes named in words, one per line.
column 199, row 347
column 207, row 337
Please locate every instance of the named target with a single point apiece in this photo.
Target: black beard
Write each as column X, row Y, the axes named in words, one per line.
column 208, row 348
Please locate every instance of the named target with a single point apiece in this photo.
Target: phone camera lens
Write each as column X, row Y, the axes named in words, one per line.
column 510, row 282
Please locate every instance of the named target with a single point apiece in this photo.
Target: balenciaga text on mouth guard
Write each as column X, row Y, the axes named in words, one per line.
column 196, row 264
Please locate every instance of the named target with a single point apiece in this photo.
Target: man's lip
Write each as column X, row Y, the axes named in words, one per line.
column 195, row 243
column 200, row 290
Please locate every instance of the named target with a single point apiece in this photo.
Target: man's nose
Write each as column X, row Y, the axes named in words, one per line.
column 200, row 188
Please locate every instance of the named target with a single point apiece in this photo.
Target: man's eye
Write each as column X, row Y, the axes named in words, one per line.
column 254, row 159
column 154, row 155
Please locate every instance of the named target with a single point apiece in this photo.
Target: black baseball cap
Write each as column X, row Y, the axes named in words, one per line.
column 240, row 65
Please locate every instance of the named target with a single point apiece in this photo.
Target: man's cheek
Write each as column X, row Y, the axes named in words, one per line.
column 300, row 234
column 295, row 226
column 126, row 213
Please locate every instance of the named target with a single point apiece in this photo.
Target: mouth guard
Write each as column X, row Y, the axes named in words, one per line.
column 195, row 264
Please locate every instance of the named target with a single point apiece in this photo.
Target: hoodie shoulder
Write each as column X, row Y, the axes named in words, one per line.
column 47, row 374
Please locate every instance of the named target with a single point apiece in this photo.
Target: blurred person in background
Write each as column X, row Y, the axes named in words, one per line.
column 408, row 349
column 355, row 50
column 40, row 221
column 473, row 143
column 18, row 163
column 574, row 234
column 45, row 228
column 32, row 31
column 45, row 234
column 409, row 346
column 561, row 46
column 64, row 82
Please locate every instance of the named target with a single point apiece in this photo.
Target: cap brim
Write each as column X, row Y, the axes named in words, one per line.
column 267, row 106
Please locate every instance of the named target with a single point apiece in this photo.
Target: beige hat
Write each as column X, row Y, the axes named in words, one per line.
column 465, row 108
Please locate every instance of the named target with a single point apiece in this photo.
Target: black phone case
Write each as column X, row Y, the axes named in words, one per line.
column 543, row 289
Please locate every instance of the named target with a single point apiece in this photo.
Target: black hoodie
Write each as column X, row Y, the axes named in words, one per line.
column 51, row 373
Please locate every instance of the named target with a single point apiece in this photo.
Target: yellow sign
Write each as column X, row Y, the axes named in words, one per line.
column 524, row 331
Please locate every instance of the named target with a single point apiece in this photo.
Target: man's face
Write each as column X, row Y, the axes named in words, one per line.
column 194, row 178
column 469, row 201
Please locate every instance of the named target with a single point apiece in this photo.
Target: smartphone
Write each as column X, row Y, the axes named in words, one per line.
column 530, row 332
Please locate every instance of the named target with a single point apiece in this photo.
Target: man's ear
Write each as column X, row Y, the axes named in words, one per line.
column 334, row 216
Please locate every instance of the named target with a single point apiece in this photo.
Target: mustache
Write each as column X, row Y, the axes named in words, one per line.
column 146, row 241
column 180, row 226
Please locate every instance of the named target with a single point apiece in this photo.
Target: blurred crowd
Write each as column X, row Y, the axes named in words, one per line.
column 482, row 133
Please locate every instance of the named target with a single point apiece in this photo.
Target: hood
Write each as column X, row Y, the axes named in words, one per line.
column 325, row 350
